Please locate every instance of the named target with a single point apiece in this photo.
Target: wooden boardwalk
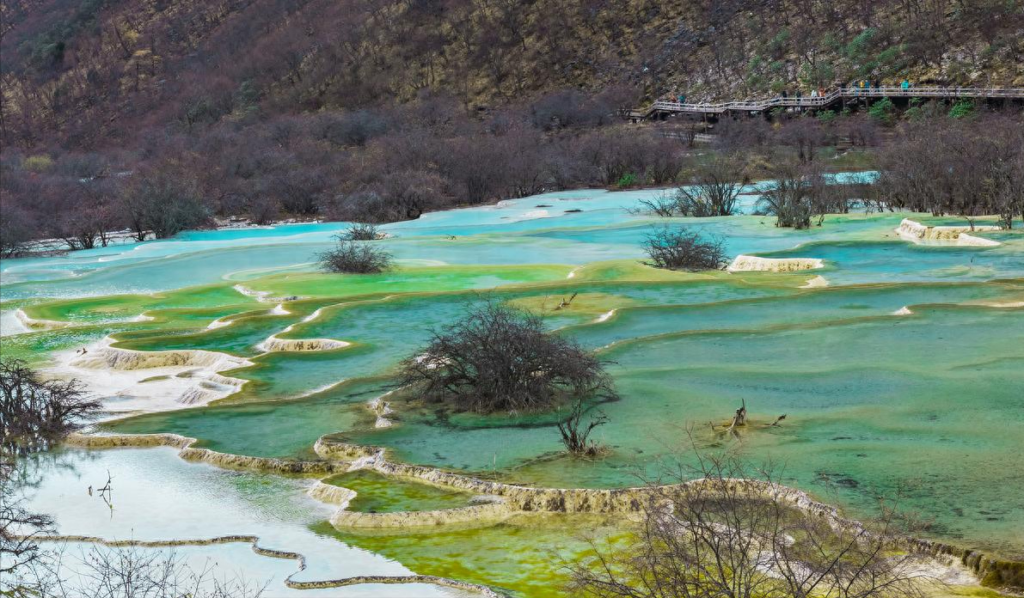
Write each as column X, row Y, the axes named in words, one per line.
column 661, row 108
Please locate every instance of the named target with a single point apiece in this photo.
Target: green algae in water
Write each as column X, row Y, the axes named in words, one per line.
column 523, row 555
column 406, row 280
column 114, row 307
column 376, row 493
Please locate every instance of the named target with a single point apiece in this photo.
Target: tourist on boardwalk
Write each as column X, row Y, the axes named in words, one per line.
column 905, row 85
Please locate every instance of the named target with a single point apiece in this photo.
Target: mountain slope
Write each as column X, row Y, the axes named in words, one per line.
column 88, row 73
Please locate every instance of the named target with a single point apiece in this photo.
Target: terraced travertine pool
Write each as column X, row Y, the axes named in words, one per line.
column 899, row 366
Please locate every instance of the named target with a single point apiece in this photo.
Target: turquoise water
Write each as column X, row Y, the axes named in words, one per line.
column 902, row 376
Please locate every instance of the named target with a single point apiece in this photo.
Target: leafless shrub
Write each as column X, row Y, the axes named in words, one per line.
column 19, row 528
column 726, row 536
column 18, row 228
column 498, row 358
column 129, row 572
column 362, row 232
column 663, row 205
column 684, row 249
column 164, row 201
column 742, row 135
column 569, row 108
column 860, row 129
column 351, row 128
column 642, row 157
column 35, row 414
column 262, row 209
column 576, row 435
column 806, row 135
column 355, row 257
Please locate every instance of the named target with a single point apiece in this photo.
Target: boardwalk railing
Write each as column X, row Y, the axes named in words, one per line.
column 829, row 98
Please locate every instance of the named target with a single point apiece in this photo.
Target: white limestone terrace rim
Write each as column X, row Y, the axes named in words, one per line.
column 753, row 263
column 273, row 344
column 38, row 324
column 278, row 310
column 262, row 296
column 381, row 410
column 253, row 542
column 963, row 236
column 817, row 282
column 331, row 494
column 341, row 457
column 130, row 381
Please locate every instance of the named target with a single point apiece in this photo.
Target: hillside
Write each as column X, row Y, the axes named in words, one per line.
column 86, row 74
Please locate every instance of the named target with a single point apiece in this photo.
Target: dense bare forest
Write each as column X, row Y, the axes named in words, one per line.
column 157, row 117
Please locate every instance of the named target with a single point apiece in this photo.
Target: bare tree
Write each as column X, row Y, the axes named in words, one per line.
column 721, row 530
column 163, row 201
column 35, row 414
column 949, row 167
column 797, row 195
column 806, row 135
column 713, row 187
column 576, row 435
column 498, row 358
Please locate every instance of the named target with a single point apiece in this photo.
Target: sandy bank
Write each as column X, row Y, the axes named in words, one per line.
column 148, row 381
column 916, row 232
column 751, row 263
